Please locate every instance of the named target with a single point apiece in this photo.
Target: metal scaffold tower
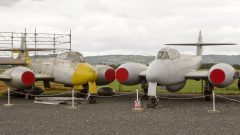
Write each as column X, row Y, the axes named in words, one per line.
column 36, row 44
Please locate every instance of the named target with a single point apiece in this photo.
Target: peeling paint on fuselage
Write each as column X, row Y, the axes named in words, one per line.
column 62, row 70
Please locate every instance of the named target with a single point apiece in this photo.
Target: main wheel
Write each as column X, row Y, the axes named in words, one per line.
column 92, row 100
column 208, row 90
column 153, row 102
column 145, row 96
column 37, row 91
column 207, row 95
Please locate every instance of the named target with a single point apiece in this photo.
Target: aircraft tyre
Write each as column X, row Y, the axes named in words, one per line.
column 92, row 100
column 145, row 96
column 207, row 97
column 208, row 91
column 37, row 91
column 153, row 102
column 81, row 95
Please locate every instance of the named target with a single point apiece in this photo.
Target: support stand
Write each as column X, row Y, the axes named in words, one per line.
column 214, row 106
column 73, row 102
column 26, row 96
column 137, row 104
column 8, row 105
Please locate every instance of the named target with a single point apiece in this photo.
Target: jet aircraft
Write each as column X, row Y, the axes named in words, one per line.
column 68, row 68
column 170, row 69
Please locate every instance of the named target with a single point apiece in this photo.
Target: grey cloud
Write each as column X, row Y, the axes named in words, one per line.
column 129, row 26
column 8, row 3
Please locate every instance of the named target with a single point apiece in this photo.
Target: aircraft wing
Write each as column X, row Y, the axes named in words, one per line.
column 43, row 77
column 5, row 77
column 143, row 74
column 201, row 44
column 197, row 75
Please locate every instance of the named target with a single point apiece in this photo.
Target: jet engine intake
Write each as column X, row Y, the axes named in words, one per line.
column 221, row 75
column 21, row 77
column 128, row 73
column 105, row 74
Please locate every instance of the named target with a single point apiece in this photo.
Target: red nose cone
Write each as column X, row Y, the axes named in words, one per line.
column 28, row 78
column 110, row 75
column 217, row 76
column 122, row 74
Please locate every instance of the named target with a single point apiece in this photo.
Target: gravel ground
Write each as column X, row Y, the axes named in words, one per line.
column 112, row 116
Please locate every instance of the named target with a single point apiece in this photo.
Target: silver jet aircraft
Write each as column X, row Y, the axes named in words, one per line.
column 67, row 68
column 170, row 69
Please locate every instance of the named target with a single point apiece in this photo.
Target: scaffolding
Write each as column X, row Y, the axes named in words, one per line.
column 55, row 42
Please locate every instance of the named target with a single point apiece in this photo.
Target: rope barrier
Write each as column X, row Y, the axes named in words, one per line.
column 112, row 95
column 68, row 92
column 41, row 95
column 125, row 94
column 196, row 97
column 161, row 97
column 231, row 99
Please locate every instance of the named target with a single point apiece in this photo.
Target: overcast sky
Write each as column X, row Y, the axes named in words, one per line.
column 102, row 27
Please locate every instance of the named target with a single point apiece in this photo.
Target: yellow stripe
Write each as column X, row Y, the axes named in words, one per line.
column 92, row 87
column 83, row 74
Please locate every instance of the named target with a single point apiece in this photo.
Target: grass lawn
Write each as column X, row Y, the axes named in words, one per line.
column 191, row 87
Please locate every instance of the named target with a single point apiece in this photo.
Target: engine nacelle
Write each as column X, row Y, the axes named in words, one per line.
column 221, row 75
column 128, row 73
column 176, row 87
column 105, row 74
column 21, row 77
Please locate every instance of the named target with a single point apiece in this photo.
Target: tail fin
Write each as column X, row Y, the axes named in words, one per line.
column 23, row 52
column 200, row 44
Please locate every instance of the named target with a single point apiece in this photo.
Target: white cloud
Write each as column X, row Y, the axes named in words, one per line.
column 128, row 26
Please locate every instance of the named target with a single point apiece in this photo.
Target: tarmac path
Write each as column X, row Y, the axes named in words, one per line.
column 114, row 116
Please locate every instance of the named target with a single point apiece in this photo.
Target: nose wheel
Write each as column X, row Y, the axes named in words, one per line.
column 152, row 102
column 145, row 96
column 92, row 99
column 208, row 88
column 144, row 86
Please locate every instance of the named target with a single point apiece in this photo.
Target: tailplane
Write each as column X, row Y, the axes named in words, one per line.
column 200, row 44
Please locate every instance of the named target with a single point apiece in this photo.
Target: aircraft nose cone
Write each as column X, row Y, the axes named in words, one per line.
column 28, row 78
column 83, row 74
column 157, row 72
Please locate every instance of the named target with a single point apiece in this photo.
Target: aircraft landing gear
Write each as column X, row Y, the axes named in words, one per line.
column 92, row 99
column 208, row 90
column 153, row 102
column 37, row 91
column 145, row 89
column 145, row 96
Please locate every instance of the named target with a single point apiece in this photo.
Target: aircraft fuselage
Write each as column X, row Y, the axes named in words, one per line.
column 171, row 72
column 64, row 71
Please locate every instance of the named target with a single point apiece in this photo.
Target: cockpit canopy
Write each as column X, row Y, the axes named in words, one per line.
column 71, row 56
column 168, row 53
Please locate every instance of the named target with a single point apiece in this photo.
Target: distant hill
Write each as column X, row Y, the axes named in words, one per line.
column 232, row 59
column 120, row 59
